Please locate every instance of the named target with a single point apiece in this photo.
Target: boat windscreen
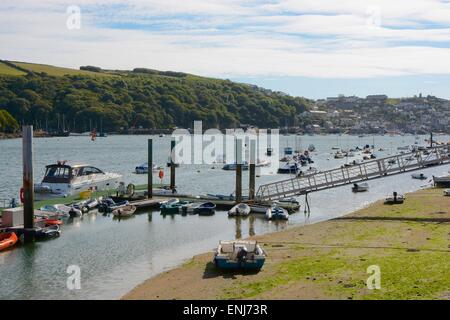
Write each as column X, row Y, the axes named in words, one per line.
column 57, row 174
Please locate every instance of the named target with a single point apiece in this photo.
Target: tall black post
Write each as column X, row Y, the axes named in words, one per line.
column 238, row 170
column 150, row 169
column 172, row 165
column 28, row 186
column 252, row 173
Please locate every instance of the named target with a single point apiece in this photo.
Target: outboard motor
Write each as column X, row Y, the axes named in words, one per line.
column 395, row 196
column 242, row 254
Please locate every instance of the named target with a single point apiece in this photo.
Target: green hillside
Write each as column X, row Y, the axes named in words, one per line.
column 56, row 71
column 6, row 70
column 141, row 98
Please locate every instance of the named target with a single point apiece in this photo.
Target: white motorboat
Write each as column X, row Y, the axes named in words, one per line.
column 338, row 155
column 63, row 180
column 143, row 168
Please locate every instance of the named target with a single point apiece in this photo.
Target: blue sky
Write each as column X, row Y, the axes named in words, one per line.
column 312, row 48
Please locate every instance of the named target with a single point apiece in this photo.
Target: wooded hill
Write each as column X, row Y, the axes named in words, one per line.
column 42, row 95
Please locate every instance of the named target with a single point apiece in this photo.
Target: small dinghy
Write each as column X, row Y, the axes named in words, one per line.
column 205, row 209
column 360, row 187
column 7, row 240
column 241, row 209
column 395, row 198
column 47, row 232
column 239, row 254
column 419, row 176
column 190, row 207
column 124, row 212
column 447, row 192
column 87, row 205
column 172, row 206
column 258, row 209
column 277, row 213
column 108, row 205
column 61, row 210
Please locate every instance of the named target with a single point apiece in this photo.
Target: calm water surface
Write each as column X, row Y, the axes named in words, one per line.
column 115, row 256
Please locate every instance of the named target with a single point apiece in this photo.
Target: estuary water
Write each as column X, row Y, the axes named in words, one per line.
column 114, row 256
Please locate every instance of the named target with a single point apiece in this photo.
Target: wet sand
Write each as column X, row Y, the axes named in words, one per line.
column 409, row 242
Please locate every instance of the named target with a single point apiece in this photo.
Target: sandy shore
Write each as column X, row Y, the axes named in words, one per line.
column 329, row 260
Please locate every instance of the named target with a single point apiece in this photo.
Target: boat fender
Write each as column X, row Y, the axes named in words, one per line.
column 22, row 195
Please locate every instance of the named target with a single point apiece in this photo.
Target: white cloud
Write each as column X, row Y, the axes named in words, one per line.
column 314, row 38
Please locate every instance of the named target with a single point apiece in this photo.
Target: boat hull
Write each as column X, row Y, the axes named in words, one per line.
column 56, row 190
column 224, row 263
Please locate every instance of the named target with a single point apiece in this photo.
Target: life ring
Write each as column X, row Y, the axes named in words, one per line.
column 22, row 195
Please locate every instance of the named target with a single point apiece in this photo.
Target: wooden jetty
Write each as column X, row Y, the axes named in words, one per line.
column 369, row 170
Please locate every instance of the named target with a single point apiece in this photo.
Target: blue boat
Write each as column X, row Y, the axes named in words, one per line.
column 205, row 209
column 233, row 166
column 288, row 151
column 239, row 254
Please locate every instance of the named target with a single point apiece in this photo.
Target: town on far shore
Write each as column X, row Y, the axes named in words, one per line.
column 377, row 114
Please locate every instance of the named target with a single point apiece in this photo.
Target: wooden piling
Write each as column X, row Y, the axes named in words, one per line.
column 172, row 165
column 28, row 185
column 238, row 170
column 150, row 169
column 252, row 170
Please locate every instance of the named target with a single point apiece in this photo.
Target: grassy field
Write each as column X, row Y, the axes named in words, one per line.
column 58, row 71
column 410, row 243
column 9, row 71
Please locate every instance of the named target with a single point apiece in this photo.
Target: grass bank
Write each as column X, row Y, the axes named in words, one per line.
column 329, row 260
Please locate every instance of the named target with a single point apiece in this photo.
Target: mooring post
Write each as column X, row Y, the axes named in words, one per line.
column 252, row 168
column 431, row 139
column 238, row 170
column 28, row 186
column 150, row 170
column 172, row 165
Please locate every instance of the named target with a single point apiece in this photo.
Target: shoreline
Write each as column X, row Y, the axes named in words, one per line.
column 329, row 259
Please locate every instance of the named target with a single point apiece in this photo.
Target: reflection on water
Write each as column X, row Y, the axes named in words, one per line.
column 116, row 255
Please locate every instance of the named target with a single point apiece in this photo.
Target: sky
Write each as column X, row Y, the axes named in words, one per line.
column 311, row 48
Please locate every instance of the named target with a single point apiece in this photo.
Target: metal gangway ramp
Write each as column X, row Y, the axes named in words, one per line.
column 368, row 170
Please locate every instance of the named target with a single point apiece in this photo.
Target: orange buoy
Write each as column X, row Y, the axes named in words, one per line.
column 161, row 174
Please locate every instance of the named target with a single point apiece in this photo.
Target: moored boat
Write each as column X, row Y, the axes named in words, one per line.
column 289, row 168
column 205, row 209
column 233, row 166
column 360, row 187
column 63, row 179
column 190, row 207
column 241, row 209
column 7, row 240
column 239, row 254
column 277, row 213
column 395, row 198
column 124, row 212
column 143, row 168
column 447, row 192
column 419, row 176
column 47, row 232
column 442, row 181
